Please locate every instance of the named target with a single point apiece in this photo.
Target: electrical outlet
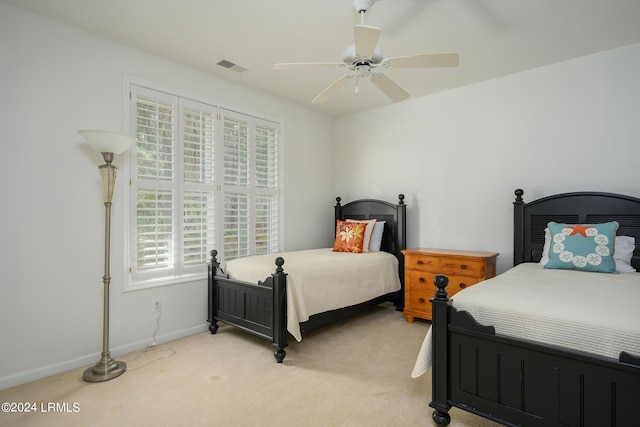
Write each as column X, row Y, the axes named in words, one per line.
column 156, row 306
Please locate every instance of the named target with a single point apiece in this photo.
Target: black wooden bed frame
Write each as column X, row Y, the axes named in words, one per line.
column 523, row 383
column 261, row 308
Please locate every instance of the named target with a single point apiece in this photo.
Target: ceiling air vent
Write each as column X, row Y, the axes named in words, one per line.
column 230, row 65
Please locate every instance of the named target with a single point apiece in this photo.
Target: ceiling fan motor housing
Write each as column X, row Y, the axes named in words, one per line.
column 351, row 59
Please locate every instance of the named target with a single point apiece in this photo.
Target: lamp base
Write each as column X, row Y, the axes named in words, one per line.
column 104, row 371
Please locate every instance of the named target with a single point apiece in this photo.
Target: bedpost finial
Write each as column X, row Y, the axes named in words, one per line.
column 214, row 259
column 441, row 281
column 519, row 193
column 401, row 199
column 338, row 199
column 279, row 264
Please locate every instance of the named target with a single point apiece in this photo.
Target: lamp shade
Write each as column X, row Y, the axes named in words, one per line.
column 104, row 141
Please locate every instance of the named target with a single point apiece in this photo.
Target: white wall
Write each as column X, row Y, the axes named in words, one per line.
column 458, row 156
column 55, row 80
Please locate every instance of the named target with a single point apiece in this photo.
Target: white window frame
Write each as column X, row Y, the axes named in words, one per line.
column 179, row 273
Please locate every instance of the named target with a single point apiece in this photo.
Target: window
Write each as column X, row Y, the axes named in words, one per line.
column 202, row 178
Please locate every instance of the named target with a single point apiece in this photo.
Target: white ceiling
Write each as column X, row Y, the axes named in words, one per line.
column 493, row 38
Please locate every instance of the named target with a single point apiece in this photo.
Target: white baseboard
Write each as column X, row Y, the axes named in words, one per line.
column 90, row 359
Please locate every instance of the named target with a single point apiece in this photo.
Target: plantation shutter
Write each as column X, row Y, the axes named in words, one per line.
column 250, row 185
column 267, row 191
column 198, row 200
column 154, row 191
column 237, row 211
column 202, row 178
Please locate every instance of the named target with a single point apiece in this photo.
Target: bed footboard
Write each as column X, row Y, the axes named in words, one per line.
column 518, row 382
column 260, row 309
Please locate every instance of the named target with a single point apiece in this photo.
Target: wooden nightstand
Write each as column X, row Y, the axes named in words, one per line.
column 421, row 265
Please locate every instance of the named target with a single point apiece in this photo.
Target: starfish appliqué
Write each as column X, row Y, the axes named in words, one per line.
column 579, row 229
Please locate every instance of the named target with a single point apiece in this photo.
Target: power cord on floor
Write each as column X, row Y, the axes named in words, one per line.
column 151, row 354
column 147, row 356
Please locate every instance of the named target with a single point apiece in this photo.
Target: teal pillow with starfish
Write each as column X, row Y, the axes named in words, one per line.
column 586, row 247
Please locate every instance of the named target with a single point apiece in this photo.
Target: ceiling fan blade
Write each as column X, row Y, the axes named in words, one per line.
column 331, row 90
column 366, row 39
column 306, row 65
column 389, row 87
column 424, row 61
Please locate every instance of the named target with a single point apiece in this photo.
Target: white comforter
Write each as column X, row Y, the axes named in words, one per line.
column 320, row 280
column 597, row 313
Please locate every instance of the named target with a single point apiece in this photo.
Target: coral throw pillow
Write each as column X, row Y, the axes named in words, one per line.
column 349, row 236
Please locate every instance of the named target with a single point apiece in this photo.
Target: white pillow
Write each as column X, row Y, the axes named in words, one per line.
column 367, row 231
column 547, row 246
column 622, row 252
column 376, row 237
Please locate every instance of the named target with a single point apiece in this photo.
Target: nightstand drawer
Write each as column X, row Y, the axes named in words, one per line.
column 421, row 300
column 458, row 283
column 447, row 266
column 423, row 281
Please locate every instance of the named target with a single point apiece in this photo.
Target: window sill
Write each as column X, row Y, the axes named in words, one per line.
column 168, row 281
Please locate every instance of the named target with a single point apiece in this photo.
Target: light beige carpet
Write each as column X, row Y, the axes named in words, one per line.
column 353, row 373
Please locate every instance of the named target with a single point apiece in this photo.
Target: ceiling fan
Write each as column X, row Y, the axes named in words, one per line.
column 364, row 59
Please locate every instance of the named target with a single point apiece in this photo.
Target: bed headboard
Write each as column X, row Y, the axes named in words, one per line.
column 394, row 239
column 530, row 219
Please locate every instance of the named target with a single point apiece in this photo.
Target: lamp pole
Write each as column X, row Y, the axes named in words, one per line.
column 108, row 144
column 106, row 368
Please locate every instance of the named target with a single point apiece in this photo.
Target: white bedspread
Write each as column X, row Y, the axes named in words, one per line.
column 320, row 280
column 597, row 313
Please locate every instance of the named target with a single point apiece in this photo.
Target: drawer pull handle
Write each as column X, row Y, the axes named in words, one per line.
column 464, row 267
column 420, row 262
column 462, row 286
column 421, row 280
column 421, row 300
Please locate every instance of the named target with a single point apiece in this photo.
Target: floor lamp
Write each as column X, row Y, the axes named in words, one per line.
column 108, row 144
